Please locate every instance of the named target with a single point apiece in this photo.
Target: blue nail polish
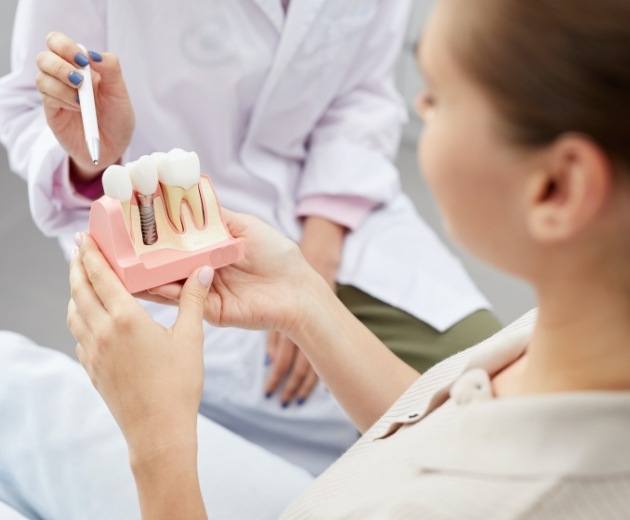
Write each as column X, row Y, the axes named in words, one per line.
column 286, row 404
column 81, row 60
column 95, row 56
column 268, row 395
column 301, row 401
column 267, row 359
column 75, row 78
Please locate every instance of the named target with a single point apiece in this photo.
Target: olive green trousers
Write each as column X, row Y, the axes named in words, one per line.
column 411, row 339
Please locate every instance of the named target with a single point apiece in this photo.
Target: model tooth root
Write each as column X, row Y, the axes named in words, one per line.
column 173, row 201
column 193, row 198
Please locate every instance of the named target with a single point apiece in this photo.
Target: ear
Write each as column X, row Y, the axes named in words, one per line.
column 570, row 189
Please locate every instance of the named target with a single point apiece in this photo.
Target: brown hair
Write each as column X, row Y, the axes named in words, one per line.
column 552, row 67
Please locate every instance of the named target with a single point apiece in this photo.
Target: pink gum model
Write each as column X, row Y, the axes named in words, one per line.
column 115, row 227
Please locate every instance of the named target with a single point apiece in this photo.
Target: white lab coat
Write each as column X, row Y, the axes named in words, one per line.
column 278, row 110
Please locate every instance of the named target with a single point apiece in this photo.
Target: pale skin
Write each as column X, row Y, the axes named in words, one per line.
column 322, row 239
column 556, row 216
column 563, row 211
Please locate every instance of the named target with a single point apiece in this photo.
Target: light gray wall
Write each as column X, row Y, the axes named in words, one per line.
column 33, row 274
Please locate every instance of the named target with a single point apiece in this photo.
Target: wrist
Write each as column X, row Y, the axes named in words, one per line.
column 150, row 452
column 321, row 245
column 309, row 314
column 168, row 482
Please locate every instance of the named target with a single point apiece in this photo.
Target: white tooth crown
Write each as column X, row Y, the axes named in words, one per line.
column 144, row 175
column 179, row 173
column 158, row 158
column 179, row 168
column 117, row 183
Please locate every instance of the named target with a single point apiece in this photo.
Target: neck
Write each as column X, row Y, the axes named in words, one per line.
column 581, row 342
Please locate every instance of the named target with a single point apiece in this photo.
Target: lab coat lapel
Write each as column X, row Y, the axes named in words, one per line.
column 300, row 18
column 274, row 11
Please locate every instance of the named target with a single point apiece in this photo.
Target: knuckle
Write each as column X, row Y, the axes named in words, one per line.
column 291, row 386
column 101, row 337
column 94, row 274
column 52, row 38
column 41, row 58
column 58, row 42
column 121, row 318
column 49, row 102
column 301, row 371
column 70, row 320
column 282, row 364
column 39, row 80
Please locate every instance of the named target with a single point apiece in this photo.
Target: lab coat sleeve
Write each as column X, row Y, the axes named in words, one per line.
column 34, row 152
column 352, row 148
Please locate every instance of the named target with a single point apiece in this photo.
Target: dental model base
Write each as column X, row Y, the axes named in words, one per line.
column 185, row 231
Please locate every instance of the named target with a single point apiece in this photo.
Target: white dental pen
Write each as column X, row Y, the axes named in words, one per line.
column 88, row 113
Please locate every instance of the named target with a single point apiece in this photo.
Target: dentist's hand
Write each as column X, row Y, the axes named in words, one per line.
column 150, row 377
column 321, row 245
column 60, row 75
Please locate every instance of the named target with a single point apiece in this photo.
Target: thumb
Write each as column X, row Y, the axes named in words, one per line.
column 192, row 300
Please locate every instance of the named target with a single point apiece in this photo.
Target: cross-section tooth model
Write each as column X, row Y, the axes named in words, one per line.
column 153, row 232
column 179, row 173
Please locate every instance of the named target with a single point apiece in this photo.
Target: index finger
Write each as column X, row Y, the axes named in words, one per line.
column 66, row 48
column 104, row 280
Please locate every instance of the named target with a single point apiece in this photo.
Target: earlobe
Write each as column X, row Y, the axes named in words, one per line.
column 569, row 190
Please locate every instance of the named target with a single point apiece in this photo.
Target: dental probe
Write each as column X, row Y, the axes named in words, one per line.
column 88, row 113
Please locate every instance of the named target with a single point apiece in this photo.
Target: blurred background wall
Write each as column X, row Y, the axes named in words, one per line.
column 33, row 273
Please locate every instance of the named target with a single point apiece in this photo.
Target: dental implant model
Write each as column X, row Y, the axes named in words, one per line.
column 144, row 178
column 159, row 220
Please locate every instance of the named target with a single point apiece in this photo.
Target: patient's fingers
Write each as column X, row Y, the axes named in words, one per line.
column 77, row 325
column 105, row 283
column 169, row 293
column 86, row 302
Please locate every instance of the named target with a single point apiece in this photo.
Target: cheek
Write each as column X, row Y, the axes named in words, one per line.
column 440, row 160
column 460, row 177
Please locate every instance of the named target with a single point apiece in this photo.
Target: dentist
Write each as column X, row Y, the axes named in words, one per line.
column 292, row 109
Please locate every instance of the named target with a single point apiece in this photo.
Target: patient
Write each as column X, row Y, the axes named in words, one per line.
column 526, row 150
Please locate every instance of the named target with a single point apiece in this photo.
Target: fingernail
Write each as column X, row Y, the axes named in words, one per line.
column 268, row 395
column 205, row 276
column 95, row 56
column 286, row 404
column 301, row 401
column 75, row 78
column 78, row 239
column 267, row 359
column 81, row 60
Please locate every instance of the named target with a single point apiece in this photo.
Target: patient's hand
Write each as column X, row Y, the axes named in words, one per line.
column 271, row 288
column 150, row 377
